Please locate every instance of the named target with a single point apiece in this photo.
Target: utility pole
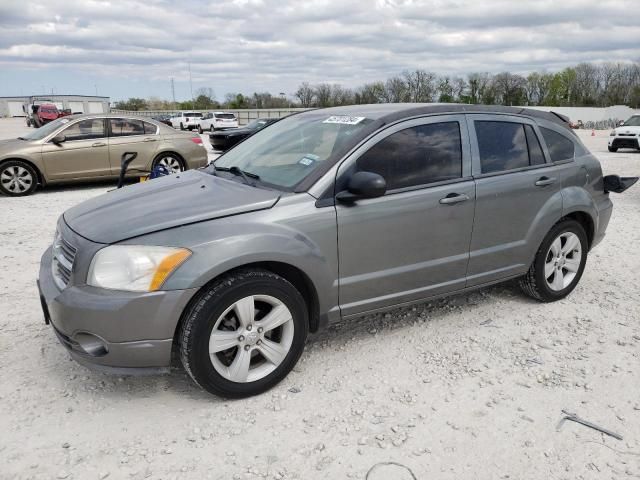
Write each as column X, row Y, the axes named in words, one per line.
column 95, row 85
column 173, row 93
column 191, row 87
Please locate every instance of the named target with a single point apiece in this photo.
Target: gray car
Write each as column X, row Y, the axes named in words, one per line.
column 326, row 215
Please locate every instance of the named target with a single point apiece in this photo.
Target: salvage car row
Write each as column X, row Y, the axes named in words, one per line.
column 80, row 148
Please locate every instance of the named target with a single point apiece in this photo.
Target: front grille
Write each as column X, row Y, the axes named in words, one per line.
column 626, row 134
column 625, row 143
column 64, row 255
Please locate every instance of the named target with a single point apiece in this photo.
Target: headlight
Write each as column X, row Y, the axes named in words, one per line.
column 134, row 268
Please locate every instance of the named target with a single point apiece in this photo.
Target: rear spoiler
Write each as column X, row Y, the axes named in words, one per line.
column 616, row 184
column 564, row 118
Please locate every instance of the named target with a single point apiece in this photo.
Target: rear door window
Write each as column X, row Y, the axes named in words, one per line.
column 505, row 146
column 560, row 147
column 150, row 128
column 416, row 156
column 502, row 145
column 126, row 127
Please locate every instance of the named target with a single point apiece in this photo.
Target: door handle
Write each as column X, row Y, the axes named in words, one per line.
column 544, row 181
column 99, row 144
column 453, row 198
column 148, row 139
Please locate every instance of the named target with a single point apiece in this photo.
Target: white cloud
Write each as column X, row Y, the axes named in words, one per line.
column 246, row 45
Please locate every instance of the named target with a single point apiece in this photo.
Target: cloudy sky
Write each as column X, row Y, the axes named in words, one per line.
column 124, row 48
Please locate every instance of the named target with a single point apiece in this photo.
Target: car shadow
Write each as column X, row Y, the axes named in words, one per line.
column 178, row 383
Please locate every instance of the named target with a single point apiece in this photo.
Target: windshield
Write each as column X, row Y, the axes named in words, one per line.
column 289, row 150
column 633, row 121
column 40, row 133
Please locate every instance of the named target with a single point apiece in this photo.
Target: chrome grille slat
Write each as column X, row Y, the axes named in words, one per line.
column 64, row 255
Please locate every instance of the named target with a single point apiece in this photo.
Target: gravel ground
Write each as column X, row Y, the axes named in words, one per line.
column 467, row 387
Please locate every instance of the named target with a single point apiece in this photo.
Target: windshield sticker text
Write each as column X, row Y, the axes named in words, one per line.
column 344, row 120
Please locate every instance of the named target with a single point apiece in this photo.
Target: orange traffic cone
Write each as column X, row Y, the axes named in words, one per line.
column 593, row 133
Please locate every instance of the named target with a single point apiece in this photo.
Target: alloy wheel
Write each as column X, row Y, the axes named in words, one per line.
column 16, row 179
column 251, row 338
column 562, row 261
column 171, row 163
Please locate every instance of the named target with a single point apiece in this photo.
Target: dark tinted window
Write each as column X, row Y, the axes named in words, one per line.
column 149, row 128
column 560, row 147
column 125, row 127
column 416, row 156
column 536, row 157
column 502, row 145
column 228, row 116
column 85, row 130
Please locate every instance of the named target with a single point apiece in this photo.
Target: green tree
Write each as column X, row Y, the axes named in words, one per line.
column 133, row 104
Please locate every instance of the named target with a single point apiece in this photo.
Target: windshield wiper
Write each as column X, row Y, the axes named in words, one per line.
column 239, row 172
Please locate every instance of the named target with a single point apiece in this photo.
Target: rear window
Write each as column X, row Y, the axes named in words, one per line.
column 230, row 116
column 560, row 147
column 192, row 114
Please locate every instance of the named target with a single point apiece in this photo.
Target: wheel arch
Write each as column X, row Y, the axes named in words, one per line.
column 39, row 174
column 294, row 275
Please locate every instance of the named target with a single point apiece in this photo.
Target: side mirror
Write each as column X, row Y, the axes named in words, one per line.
column 58, row 139
column 621, row 123
column 363, row 185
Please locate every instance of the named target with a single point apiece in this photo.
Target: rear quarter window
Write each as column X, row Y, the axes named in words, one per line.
column 560, row 147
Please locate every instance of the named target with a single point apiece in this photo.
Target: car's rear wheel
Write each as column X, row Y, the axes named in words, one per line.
column 181, row 126
column 612, row 149
column 559, row 263
column 170, row 161
column 244, row 333
column 200, row 129
column 17, row 178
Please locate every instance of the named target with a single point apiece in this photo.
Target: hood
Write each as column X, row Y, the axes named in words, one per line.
column 163, row 203
column 627, row 129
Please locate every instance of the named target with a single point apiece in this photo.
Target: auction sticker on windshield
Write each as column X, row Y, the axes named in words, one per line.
column 344, row 120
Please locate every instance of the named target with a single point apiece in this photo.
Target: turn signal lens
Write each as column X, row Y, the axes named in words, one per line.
column 166, row 268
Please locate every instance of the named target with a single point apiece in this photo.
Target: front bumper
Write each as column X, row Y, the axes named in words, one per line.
column 126, row 332
column 624, row 142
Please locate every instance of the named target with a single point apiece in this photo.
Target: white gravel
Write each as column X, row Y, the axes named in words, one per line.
column 468, row 387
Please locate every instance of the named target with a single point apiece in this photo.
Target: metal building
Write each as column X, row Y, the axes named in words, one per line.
column 16, row 106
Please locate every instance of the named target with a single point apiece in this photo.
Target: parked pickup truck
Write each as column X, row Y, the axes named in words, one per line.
column 186, row 120
column 217, row 121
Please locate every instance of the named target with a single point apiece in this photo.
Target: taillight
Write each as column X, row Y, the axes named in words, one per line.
column 197, row 140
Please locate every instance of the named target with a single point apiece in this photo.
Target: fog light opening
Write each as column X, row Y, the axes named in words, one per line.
column 91, row 344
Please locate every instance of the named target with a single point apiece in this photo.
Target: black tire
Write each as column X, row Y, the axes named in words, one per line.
column 200, row 129
column 534, row 283
column 612, row 149
column 9, row 168
column 210, row 305
column 181, row 126
column 172, row 155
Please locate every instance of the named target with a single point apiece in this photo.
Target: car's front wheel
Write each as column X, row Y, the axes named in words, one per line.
column 244, row 333
column 17, row 178
column 612, row 149
column 559, row 263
